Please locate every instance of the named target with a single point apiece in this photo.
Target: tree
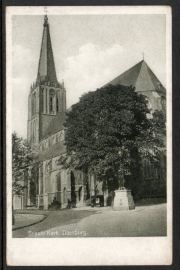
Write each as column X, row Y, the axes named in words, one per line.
column 106, row 130
column 22, row 157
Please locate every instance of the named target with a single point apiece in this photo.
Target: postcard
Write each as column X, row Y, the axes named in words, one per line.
column 89, row 133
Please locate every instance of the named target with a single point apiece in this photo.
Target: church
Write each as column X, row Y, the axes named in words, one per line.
column 51, row 186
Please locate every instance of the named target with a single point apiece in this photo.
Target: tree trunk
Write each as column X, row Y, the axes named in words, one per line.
column 13, row 217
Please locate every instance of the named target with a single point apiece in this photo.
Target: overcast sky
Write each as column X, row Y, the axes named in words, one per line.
column 89, row 51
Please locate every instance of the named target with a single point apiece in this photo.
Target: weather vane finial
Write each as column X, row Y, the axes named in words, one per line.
column 45, row 10
column 45, row 17
column 143, row 55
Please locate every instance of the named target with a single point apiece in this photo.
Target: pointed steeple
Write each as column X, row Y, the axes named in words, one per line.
column 46, row 68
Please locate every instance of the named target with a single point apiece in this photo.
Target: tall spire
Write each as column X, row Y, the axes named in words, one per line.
column 46, row 68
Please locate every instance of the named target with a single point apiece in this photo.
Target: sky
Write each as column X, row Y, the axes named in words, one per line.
column 89, row 51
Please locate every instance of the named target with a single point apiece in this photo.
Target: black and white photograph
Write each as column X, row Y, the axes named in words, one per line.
column 89, row 135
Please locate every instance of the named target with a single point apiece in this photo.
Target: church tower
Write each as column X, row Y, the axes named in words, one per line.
column 47, row 97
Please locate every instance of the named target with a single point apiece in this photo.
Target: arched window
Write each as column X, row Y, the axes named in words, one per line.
column 31, row 132
column 35, row 125
column 51, row 104
column 34, row 103
column 80, row 193
column 163, row 102
column 42, row 98
column 34, row 128
column 31, row 105
column 149, row 105
column 51, row 100
column 58, row 182
column 57, row 105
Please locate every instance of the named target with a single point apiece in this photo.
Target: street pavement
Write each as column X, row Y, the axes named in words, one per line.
column 148, row 220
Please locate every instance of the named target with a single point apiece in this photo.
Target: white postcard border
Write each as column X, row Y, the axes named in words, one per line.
column 89, row 251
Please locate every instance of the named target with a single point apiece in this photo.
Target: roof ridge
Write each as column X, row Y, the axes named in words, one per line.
column 139, row 70
column 55, row 125
column 125, row 72
column 149, row 75
column 139, row 76
column 144, row 80
column 150, row 71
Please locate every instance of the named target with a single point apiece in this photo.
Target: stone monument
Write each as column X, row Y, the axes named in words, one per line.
column 123, row 199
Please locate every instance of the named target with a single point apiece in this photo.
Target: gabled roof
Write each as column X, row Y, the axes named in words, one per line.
column 141, row 77
column 46, row 68
column 55, row 125
column 54, row 151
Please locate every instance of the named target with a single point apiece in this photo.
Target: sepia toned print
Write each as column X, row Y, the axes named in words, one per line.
column 90, row 131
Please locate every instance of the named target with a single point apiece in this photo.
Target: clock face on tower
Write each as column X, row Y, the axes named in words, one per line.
column 52, row 92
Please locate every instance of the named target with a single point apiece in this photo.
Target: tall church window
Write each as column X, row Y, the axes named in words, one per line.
column 150, row 170
column 58, row 182
column 148, row 103
column 35, row 125
column 42, row 93
column 51, row 104
column 34, row 131
column 57, row 105
column 31, row 132
column 34, row 103
column 51, row 100
column 163, row 103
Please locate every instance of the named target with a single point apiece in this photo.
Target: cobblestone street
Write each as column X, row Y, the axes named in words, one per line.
column 98, row 222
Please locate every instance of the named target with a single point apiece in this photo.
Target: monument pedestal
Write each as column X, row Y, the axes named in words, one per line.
column 123, row 200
